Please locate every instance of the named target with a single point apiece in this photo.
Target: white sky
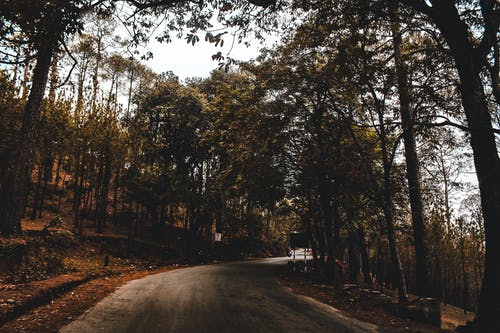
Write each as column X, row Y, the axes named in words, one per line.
column 186, row 60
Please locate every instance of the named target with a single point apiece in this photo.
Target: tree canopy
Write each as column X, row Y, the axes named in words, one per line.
column 354, row 130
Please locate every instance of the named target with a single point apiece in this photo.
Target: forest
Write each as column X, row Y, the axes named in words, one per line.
column 372, row 127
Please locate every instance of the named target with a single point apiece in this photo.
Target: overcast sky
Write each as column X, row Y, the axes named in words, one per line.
column 186, row 60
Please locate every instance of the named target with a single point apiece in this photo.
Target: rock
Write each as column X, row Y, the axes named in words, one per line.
column 351, row 286
column 10, row 301
column 323, row 286
column 364, row 292
column 427, row 310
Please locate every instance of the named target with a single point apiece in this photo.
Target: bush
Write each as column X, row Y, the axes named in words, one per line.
column 41, row 257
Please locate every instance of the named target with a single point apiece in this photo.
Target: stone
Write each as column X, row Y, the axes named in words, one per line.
column 427, row 310
column 324, row 286
column 351, row 286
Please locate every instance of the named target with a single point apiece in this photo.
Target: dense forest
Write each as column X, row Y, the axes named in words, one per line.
column 359, row 129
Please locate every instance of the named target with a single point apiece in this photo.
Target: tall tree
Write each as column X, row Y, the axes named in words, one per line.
column 45, row 25
column 412, row 161
column 45, row 37
column 471, row 40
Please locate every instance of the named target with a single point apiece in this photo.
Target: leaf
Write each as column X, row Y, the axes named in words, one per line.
column 192, row 39
column 218, row 56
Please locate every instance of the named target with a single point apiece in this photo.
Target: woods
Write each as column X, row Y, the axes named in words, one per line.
column 359, row 129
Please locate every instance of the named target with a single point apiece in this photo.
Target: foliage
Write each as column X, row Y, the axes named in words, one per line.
column 307, row 137
column 41, row 257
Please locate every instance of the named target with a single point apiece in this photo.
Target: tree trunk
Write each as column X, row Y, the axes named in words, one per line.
column 486, row 160
column 326, row 209
column 14, row 187
column 397, row 267
column 36, row 193
column 320, row 235
column 444, row 173
column 61, row 191
column 77, row 193
column 412, row 165
column 386, row 198
column 365, row 264
column 105, row 188
column 42, row 197
column 353, row 257
column 487, row 166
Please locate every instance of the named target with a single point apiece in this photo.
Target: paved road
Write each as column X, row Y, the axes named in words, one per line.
column 235, row 297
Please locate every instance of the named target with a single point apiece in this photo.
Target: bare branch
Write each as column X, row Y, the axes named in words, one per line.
column 14, row 62
column 491, row 17
column 75, row 62
column 445, row 122
column 418, row 5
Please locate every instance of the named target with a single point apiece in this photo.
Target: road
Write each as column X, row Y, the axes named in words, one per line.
column 236, row 297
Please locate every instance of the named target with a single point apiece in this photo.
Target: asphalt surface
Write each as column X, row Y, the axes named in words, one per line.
column 236, row 297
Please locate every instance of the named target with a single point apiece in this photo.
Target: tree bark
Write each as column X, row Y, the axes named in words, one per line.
column 325, row 193
column 388, row 209
column 469, row 62
column 326, row 209
column 36, row 193
column 353, row 257
column 14, row 187
column 487, row 166
column 412, row 164
column 397, row 267
column 486, row 160
column 365, row 265
column 384, row 198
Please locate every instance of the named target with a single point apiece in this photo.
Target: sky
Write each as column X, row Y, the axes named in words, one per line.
column 186, row 60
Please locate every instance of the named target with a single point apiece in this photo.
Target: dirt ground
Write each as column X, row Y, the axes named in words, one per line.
column 60, row 311
column 65, row 308
column 372, row 310
column 47, row 304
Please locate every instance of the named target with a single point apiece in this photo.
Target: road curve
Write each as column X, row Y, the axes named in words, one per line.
column 236, row 297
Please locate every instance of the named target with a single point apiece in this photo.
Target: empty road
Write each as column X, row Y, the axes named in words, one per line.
column 236, row 297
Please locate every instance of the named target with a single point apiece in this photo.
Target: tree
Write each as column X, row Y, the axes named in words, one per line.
column 45, row 25
column 166, row 129
column 471, row 42
column 10, row 122
column 411, row 157
column 318, row 89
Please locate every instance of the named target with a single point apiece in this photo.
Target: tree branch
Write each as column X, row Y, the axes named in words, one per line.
column 75, row 62
column 445, row 122
column 141, row 5
column 418, row 5
column 491, row 17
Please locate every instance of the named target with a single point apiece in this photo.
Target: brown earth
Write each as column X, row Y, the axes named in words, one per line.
column 60, row 311
column 46, row 302
column 372, row 310
column 63, row 307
